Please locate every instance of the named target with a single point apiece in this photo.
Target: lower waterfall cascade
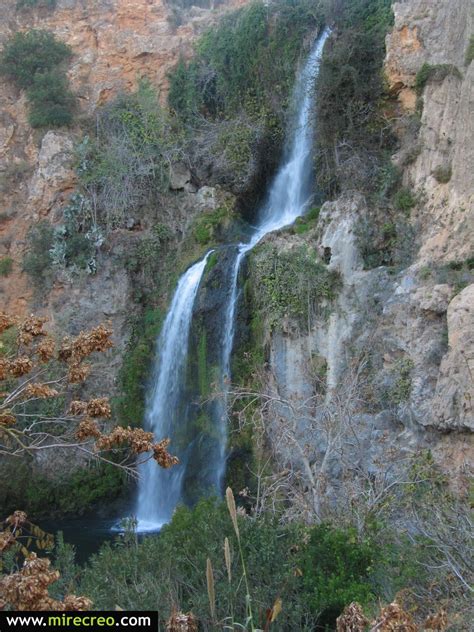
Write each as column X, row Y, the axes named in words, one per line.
column 288, row 198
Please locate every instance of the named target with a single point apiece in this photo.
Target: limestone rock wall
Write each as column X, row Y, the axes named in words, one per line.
column 417, row 322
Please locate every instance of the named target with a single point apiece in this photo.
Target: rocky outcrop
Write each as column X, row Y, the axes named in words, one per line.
column 409, row 330
column 115, row 43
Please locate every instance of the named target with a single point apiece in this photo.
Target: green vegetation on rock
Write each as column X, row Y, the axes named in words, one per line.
column 124, row 163
column 291, row 284
column 6, row 266
column 436, row 73
column 34, row 61
column 232, row 97
column 136, row 367
column 351, row 134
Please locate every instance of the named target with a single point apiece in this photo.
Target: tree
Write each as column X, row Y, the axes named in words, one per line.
column 36, row 369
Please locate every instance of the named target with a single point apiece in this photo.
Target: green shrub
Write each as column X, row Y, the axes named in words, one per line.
column 291, row 284
column 38, row 262
column 125, row 163
column 173, row 567
column 404, row 200
column 29, row 53
column 234, row 65
column 443, row 173
column 6, row 266
column 401, row 389
column 51, row 101
column 336, row 569
column 436, row 72
column 208, row 225
column 351, row 135
column 33, row 60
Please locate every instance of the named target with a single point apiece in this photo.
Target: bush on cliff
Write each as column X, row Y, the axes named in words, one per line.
column 33, row 61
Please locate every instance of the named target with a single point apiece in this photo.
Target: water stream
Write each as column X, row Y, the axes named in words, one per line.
column 288, row 198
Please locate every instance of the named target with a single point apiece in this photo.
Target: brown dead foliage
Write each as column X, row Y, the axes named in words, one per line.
column 75, row 350
column 20, row 366
column 28, row 588
column 39, row 391
column 352, row 619
column 30, row 328
column 87, row 429
column 6, row 321
column 162, row 456
column 46, row 349
column 7, row 418
column 180, row 622
column 392, row 618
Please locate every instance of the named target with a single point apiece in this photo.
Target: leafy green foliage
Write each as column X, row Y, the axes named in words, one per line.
column 336, row 567
column 434, row 72
column 33, row 61
column 43, row 497
column 51, row 101
column 29, row 53
column 135, row 371
column 6, row 266
column 351, row 128
column 404, row 200
column 291, row 284
column 38, row 260
column 232, row 97
column 125, row 164
column 400, row 390
column 171, row 569
column 207, row 225
column 235, row 63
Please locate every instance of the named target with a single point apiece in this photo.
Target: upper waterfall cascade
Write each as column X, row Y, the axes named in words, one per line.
column 288, row 198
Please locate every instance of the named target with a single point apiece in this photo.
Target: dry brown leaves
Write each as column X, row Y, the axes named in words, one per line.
column 17, row 519
column 139, row 441
column 87, row 429
column 352, row 619
column 6, row 321
column 392, row 618
column 20, row 366
column 46, row 349
column 162, row 456
column 78, row 373
column 28, row 588
column 7, row 418
column 80, row 347
column 99, row 407
column 30, row 328
column 180, row 622
column 136, row 438
column 3, row 368
column 74, row 351
column 39, row 391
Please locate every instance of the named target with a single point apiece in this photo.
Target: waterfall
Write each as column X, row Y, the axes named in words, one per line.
column 290, row 191
column 159, row 489
column 288, row 198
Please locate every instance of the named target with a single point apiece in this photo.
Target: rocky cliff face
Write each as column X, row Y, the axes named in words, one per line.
column 114, row 44
column 408, row 331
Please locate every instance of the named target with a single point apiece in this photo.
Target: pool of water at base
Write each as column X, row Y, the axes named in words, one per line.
column 88, row 533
